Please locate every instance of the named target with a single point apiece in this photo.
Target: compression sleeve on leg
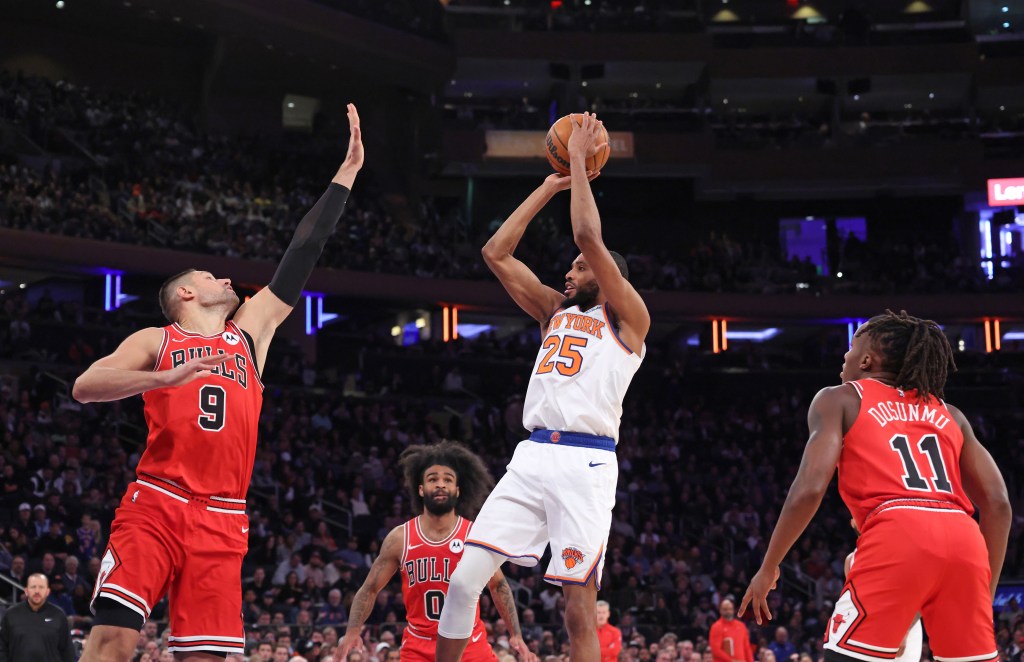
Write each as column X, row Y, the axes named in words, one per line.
column 313, row 231
column 475, row 569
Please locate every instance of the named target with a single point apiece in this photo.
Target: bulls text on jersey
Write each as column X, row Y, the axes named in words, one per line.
column 426, row 570
column 238, row 373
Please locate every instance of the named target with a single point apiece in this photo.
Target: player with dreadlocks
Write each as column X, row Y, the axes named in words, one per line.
column 909, row 468
column 447, row 484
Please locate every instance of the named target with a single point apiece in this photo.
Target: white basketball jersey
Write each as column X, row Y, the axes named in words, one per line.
column 581, row 375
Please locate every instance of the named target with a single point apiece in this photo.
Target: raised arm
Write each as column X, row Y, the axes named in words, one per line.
column 821, row 455
column 501, row 595
column 632, row 313
column 985, row 486
column 535, row 298
column 381, row 572
column 130, row 370
column 263, row 313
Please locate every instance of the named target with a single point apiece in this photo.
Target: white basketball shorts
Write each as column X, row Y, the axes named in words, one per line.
column 559, row 490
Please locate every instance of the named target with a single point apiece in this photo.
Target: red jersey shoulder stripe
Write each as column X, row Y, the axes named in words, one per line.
column 163, row 348
column 250, row 350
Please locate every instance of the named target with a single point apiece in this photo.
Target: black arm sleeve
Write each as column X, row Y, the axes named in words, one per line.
column 307, row 244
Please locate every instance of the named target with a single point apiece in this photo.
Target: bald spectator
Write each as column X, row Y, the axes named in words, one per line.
column 782, row 646
column 333, row 611
column 609, row 636
column 35, row 630
column 729, row 638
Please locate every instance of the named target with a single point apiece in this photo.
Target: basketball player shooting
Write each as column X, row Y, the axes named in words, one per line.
column 909, row 468
column 560, row 484
column 447, row 483
column 181, row 529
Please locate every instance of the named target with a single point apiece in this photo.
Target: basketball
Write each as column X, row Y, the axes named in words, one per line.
column 556, row 145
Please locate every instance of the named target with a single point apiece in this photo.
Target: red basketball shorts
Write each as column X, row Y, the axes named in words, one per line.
column 916, row 557
column 418, row 649
column 166, row 541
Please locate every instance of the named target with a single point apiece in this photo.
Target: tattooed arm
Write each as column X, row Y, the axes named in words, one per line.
column 381, row 572
column 501, row 595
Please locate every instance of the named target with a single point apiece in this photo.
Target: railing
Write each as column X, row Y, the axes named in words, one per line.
column 15, row 588
column 799, row 582
column 77, row 144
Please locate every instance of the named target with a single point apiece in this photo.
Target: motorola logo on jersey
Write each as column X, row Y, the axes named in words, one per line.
column 230, row 338
column 456, row 546
column 238, row 373
column 426, row 570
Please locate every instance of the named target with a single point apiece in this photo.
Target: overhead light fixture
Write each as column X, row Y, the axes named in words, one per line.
column 758, row 335
column 725, row 16
column 807, row 12
column 856, row 97
column 918, row 7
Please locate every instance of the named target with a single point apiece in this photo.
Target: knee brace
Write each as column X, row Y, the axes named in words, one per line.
column 475, row 569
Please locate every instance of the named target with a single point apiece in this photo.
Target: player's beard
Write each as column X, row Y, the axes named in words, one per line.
column 584, row 297
column 435, row 507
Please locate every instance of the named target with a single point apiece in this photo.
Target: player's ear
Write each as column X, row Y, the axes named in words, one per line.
column 421, row 490
column 185, row 293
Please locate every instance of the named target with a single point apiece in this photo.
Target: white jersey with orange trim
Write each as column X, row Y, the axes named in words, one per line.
column 581, row 374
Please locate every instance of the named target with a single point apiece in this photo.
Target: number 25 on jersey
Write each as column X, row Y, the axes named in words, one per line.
column 563, row 355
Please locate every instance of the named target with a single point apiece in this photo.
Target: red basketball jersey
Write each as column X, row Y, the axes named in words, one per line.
column 426, row 568
column 202, row 436
column 900, row 448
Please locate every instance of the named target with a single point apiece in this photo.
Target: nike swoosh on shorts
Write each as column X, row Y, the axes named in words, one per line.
column 597, row 464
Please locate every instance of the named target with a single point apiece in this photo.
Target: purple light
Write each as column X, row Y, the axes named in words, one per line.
column 112, row 297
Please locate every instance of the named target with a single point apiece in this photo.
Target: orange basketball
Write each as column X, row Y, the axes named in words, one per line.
column 556, row 145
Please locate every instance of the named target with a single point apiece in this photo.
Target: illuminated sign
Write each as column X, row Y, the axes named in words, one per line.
column 530, row 144
column 1006, row 192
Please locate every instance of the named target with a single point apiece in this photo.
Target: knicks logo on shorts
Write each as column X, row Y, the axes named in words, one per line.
column 572, row 557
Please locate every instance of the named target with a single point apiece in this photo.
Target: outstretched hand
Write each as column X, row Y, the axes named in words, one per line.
column 563, row 182
column 199, row 368
column 763, row 583
column 349, row 643
column 587, row 138
column 521, row 650
column 354, row 157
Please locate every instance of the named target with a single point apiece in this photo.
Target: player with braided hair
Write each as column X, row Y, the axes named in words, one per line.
column 909, row 468
column 915, row 349
column 447, row 483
